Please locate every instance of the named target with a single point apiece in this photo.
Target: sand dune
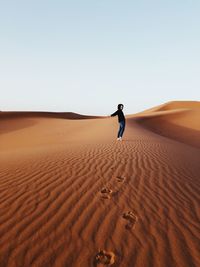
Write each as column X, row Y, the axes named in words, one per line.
column 177, row 120
column 43, row 114
column 70, row 195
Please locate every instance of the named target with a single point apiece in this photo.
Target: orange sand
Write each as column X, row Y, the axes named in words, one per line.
column 71, row 195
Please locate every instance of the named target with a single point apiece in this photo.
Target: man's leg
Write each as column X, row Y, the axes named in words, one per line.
column 120, row 130
column 123, row 128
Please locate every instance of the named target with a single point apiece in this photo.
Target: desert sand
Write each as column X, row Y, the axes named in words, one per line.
column 73, row 196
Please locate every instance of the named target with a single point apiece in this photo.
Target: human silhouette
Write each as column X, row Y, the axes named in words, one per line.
column 121, row 120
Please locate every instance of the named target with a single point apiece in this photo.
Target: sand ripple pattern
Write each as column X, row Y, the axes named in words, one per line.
column 52, row 212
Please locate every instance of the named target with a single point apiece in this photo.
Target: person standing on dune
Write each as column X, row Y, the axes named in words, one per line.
column 121, row 120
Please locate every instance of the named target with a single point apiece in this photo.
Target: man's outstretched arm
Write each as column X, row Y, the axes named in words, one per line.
column 114, row 114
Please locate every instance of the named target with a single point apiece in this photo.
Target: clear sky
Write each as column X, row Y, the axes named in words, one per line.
column 87, row 56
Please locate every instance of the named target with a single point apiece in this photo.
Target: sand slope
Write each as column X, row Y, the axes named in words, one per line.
column 178, row 120
column 68, row 190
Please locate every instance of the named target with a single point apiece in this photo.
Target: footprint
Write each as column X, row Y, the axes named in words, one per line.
column 106, row 192
column 120, row 179
column 104, row 258
column 131, row 218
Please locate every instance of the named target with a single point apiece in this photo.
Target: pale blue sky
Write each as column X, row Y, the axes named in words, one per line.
column 87, row 56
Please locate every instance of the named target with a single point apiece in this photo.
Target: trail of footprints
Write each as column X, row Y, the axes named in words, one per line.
column 107, row 258
column 130, row 217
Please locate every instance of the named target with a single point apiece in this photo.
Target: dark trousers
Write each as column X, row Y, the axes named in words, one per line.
column 121, row 128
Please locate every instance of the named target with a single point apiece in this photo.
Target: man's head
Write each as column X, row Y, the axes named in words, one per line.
column 120, row 106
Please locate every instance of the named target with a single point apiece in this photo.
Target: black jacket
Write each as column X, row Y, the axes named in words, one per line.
column 120, row 114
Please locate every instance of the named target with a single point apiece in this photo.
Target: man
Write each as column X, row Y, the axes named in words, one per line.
column 121, row 120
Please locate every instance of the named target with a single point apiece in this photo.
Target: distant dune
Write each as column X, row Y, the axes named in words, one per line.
column 73, row 196
column 178, row 120
column 44, row 114
column 12, row 120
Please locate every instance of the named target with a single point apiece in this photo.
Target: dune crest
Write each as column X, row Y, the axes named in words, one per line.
column 178, row 120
